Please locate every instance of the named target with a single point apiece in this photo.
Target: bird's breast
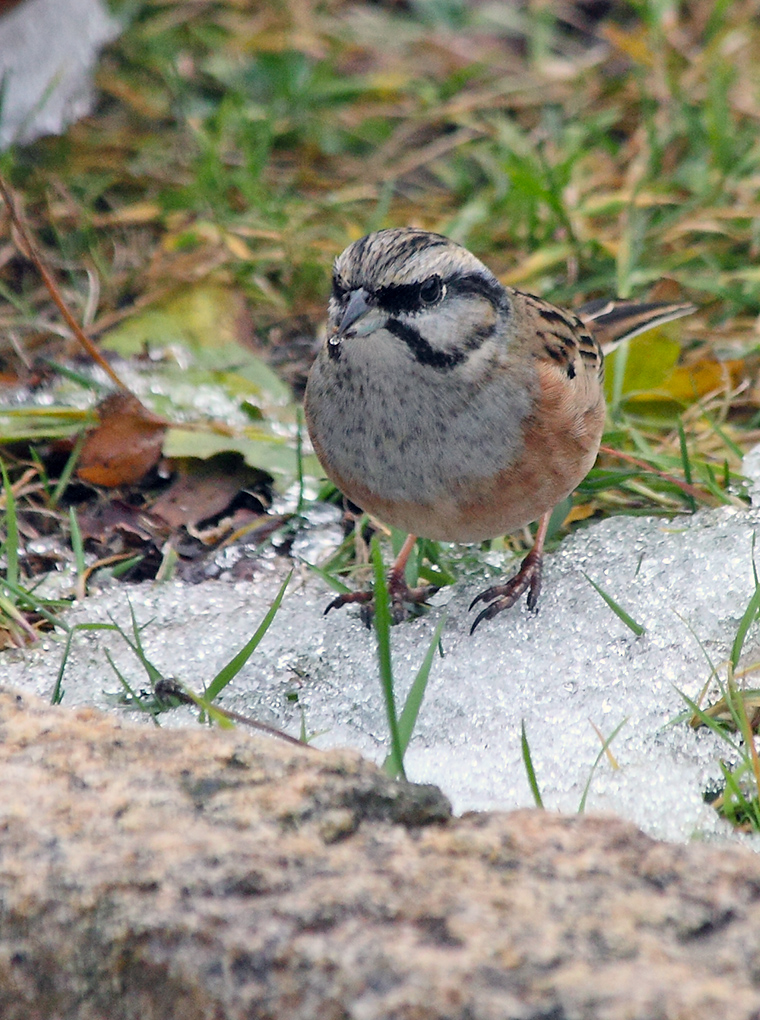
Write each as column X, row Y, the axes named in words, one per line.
column 409, row 433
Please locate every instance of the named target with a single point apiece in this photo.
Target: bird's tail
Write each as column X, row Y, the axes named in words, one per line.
column 611, row 322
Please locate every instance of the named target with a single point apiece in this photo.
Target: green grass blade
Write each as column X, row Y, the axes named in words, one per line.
column 14, row 614
column 137, row 701
column 734, row 801
column 154, row 674
column 409, row 713
column 712, row 724
column 723, row 435
column 58, row 691
column 121, row 568
column 411, row 710
column 710, row 663
column 748, row 618
column 686, row 464
column 395, row 766
column 204, row 704
column 528, row 762
column 621, row 614
column 77, row 546
column 233, row 667
column 68, row 469
column 329, row 579
column 38, row 605
column 732, row 796
column 710, row 483
column 750, row 748
column 11, row 530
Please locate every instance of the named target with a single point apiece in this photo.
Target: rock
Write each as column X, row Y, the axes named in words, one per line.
column 48, row 51
column 210, row 874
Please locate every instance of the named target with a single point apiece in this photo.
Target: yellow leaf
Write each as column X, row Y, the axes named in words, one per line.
column 238, row 247
column 635, row 44
column 206, row 316
column 579, row 513
column 138, row 212
column 651, row 359
column 690, row 382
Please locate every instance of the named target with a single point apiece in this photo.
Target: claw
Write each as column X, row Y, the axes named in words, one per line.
column 503, row 596
column 349, row 597
column 527, row 578
column 400, row 596
column 486, row 614
column 486, row 596
column 399, row 591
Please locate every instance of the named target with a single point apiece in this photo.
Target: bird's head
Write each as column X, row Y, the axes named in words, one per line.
column 419, row 291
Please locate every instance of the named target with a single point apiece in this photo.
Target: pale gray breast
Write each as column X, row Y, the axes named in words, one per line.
column 409, row 431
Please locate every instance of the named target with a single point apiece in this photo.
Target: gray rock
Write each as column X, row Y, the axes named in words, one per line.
column 48, row 50
column 208, row 874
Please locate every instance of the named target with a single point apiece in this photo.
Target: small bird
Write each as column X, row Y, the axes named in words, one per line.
column 453, row 407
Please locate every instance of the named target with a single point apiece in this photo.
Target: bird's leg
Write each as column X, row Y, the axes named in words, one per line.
column 398, row 590
column 527, row 578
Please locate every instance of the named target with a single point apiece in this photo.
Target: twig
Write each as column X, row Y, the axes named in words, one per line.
column 32, row 253
column 690, row 490
column 168, row 688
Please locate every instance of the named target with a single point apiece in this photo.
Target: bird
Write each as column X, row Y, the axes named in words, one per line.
column 456, row 408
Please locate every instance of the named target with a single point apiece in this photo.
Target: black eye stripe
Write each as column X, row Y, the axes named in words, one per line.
column 402, row 297
column 406, row 297
column 413, row 297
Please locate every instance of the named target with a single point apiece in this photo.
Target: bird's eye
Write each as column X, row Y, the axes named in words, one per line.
column 432, row 290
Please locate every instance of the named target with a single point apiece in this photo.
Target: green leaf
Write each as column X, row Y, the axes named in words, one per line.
column 206, row 321
column 11, row 529
column 260, row 450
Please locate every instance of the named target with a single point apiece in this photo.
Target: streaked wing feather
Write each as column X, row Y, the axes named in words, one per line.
column 615, row 321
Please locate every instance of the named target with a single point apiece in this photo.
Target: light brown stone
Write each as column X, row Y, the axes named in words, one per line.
column 207, row 875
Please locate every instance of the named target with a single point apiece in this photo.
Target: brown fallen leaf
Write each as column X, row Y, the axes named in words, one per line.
column 100, row 522
column 125, row 445
column 203, row 489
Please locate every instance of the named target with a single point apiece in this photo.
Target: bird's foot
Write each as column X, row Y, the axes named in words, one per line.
column 400, row 594
column 502, row 596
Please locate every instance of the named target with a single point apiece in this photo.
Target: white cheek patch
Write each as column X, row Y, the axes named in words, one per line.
column 457, row 323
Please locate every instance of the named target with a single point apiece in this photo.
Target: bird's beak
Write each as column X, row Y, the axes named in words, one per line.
column 357, row 307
